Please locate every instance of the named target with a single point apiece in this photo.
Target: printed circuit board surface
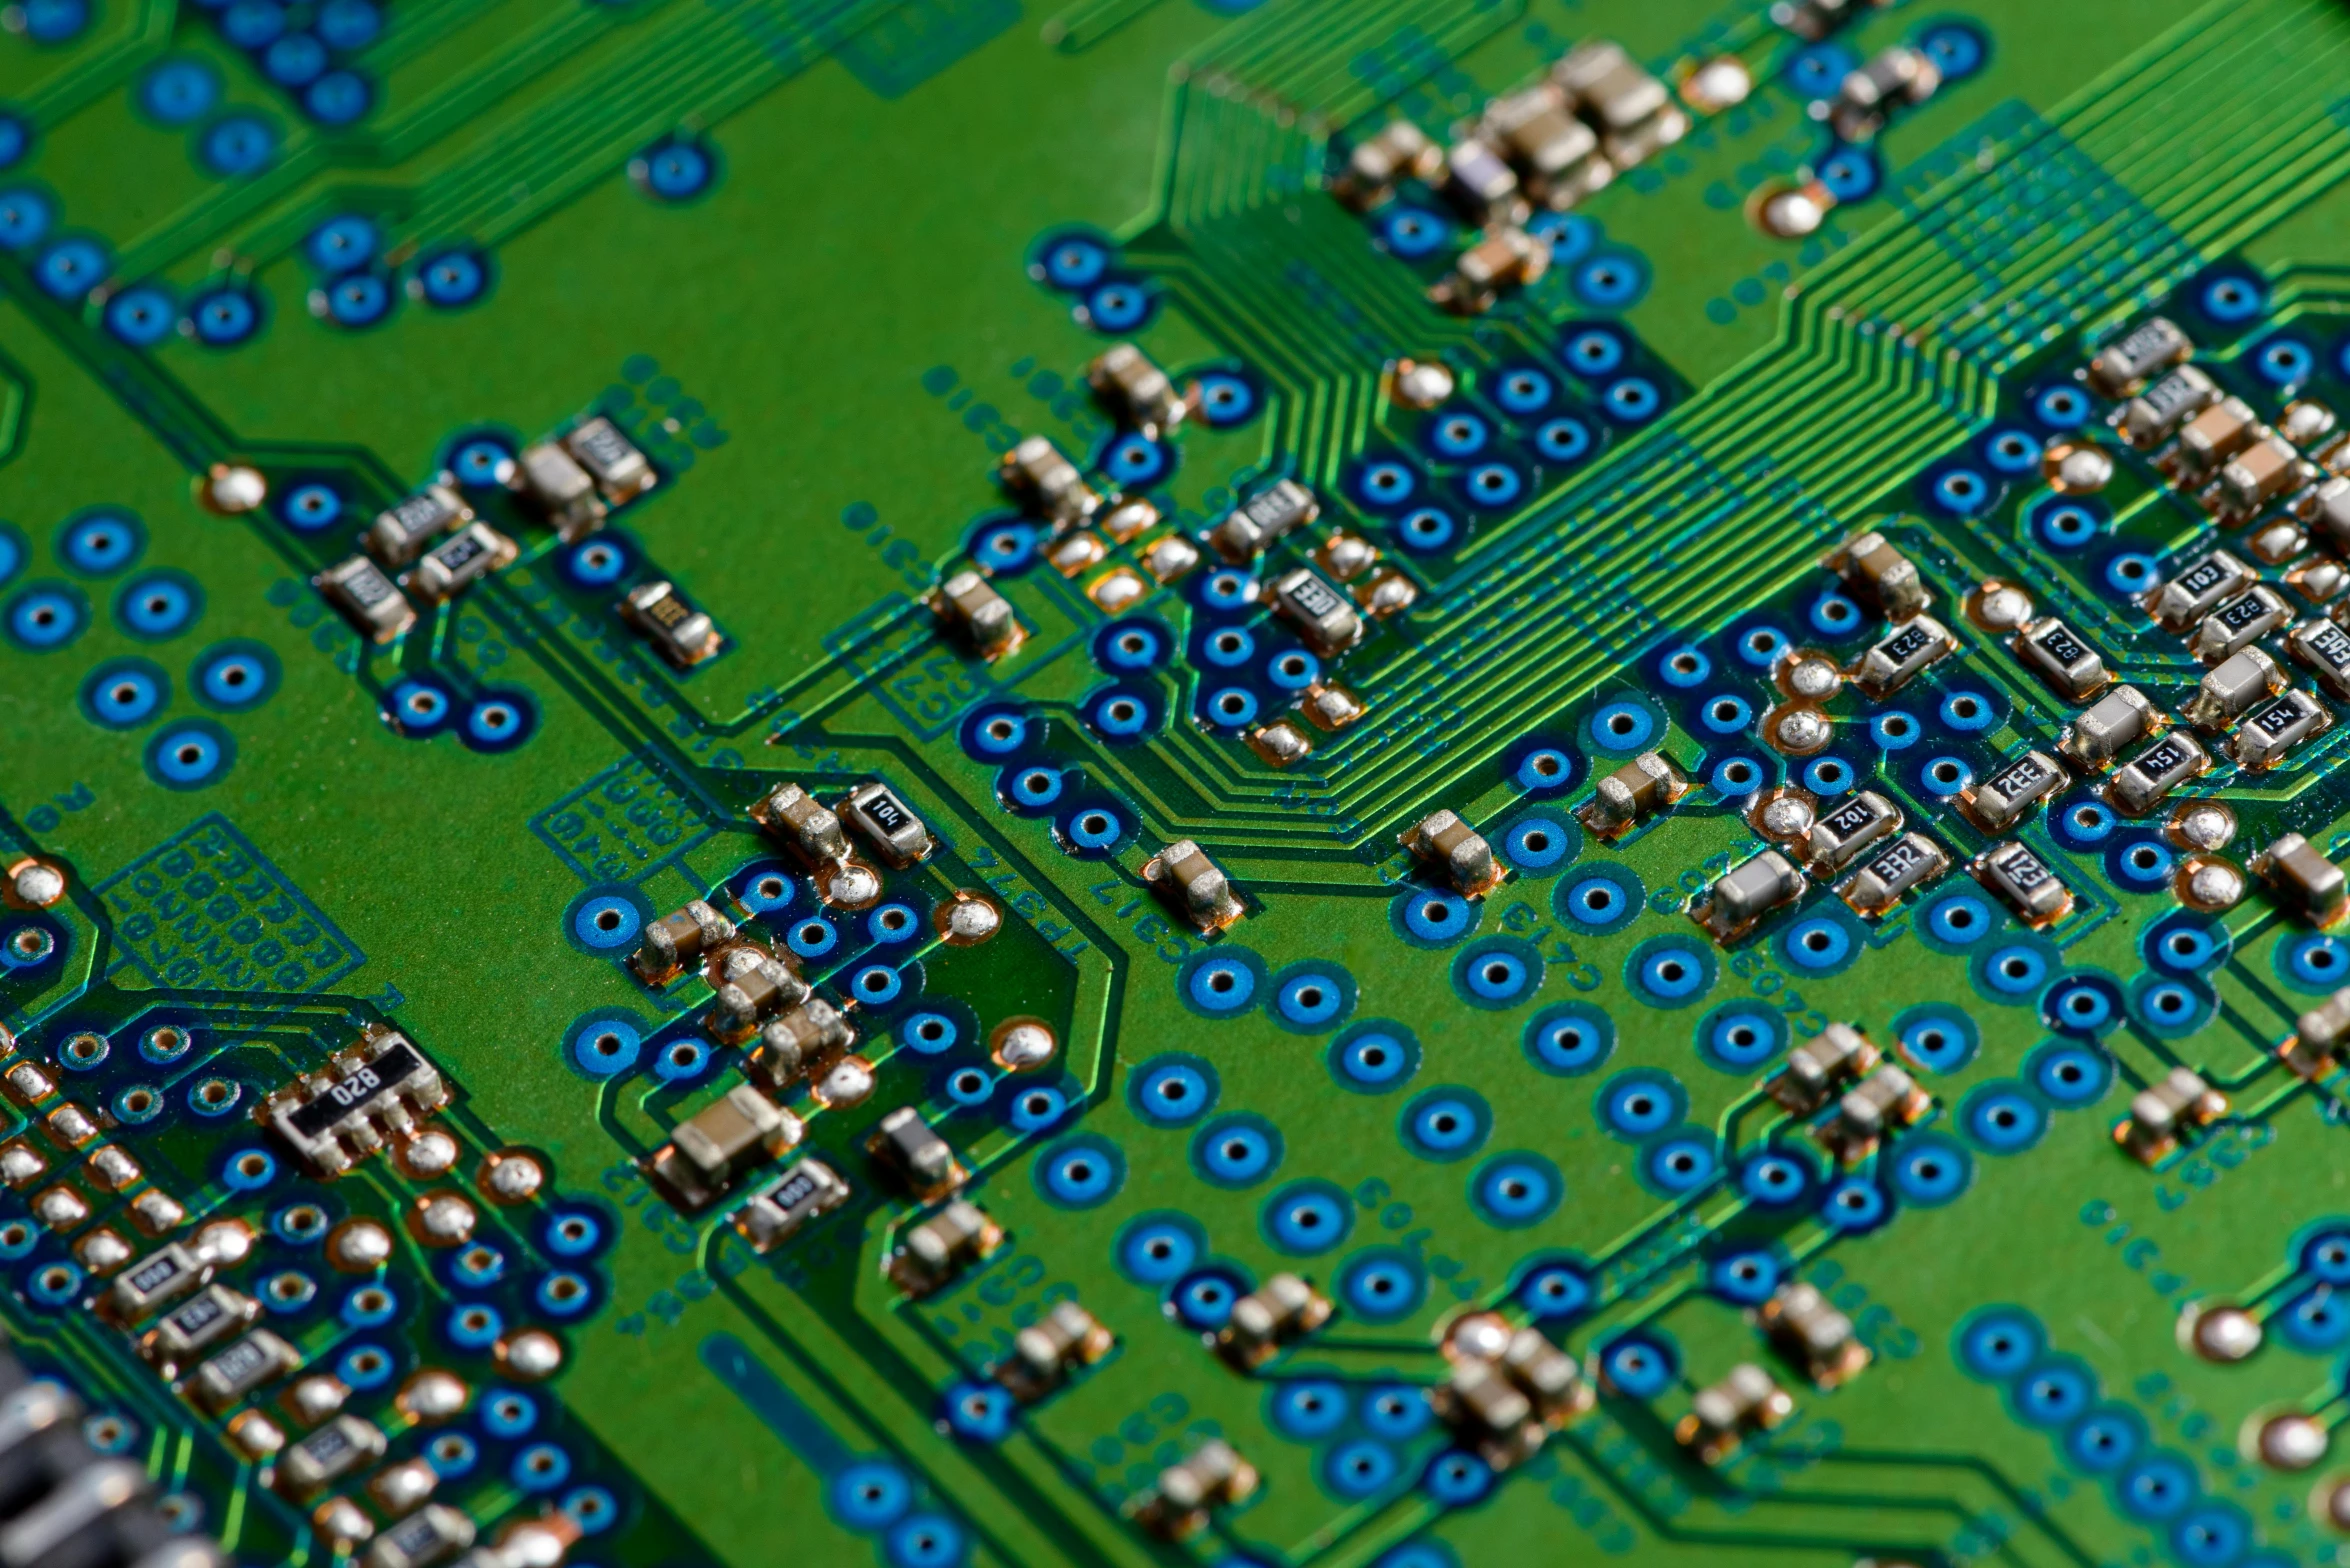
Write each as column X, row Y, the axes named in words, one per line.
column 1253, row 783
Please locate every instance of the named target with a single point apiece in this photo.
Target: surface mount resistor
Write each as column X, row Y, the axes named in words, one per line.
column 1136, row 390
column 553, row 484
column 465, row 557
column 684, row 635
column 982, row 616
column 1275, row 1315
column 785, row 1206
column 2147, row 349
column 1647, row 784
column 2025, row 882
column 2002, row 799
column 1901, row 654
column 888, row 823
column 1185, row 876
column 404, row 530
column 379, row 1088
column 621, row 471
column 1748, row 891
column 1265, row 518
column 1818, row 1069
column 2161, row 1114
column 709, row 1150
column 1040, row 474
column 1213, row 1476
column 1048, row 1352
column 943, row 1246
column 1908, row 863
column 1809, row 1331
column 1457, row 851
column 2304, row 880
column 371, row 601
column 1723, row 1415
column 1880, row 576
column 2141, row 783
column 1322, row 615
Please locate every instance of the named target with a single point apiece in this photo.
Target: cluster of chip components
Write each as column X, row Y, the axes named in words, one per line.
column 1121, row 544
column 2119, row 739
column 431, row 545
column 204, row 1335
column 1086, row 525
column 760, row 1000
column 2207, row 442
column 1548, row 145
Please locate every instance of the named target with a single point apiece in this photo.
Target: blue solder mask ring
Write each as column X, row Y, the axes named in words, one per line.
column 2071, row 1075
column 1774, row 1180
column 1037, row 1109
column 1204, row 1300
column 2003, row 1118
column 1123, row 716
column 1828, row 776
column 1685, row 667
column 83, row 1051
column 2232, row 300
column 291, row 1290
column 1623, row 725
column 2061, row 407
column 1537, row 845
column 1359, row 1469
column 1294, row 671
column 56, row 1285
column 108, row 1433
column 1396, row 1413
column 137, row 1104
column 1736, row 777
column 252, row 1170
column 1374, row 1059
column 2015, row 971
column 157, row 605
column 1456, row 1478
column 1938, row 1038
column 1726, row 714
column 1310, row 1409
column 1524, row 391
column 1383, row 1286
column 1817, row 944
column 2012, row 451
column 1459, row 434
column 1946, row 776
column 1516, row 1190
column 969, row 1087
column 1412, row 234
column 1744, row 1278
column 764, row 894
column 591, row 1508
column 1225, row 400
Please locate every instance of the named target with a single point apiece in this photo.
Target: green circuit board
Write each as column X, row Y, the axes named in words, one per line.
column 1258, row 783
